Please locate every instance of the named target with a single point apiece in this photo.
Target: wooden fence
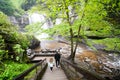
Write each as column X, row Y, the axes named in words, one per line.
column 39, row 68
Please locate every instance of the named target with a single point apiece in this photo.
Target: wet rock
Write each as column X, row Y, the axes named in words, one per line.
column 98, row 46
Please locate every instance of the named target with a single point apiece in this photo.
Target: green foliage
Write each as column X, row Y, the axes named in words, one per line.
column 3, row 23
column 116, row 32
column 113, row 8
column 3, row 19
column 10, row 35
column 39, row 9
column 7, row 7
column 24, row 41
column 17, row 48
column 92, row 13
column 84, row 16
column 2, row 44
column 12, row 69
column 96, row 18
column 5, row 26
column 2, row 48
column 34, row 28
column 59, row 29
column 21, row 39
column 28, row 4
column 110, row 43
column 18, row 51
column 99, row 33
column 10, row 32
column 2, row 52
column 2, row 67
column 17, row 6
column 11, row 7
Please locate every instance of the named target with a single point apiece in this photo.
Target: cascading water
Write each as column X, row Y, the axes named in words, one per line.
column 35, row 17
column 58, row 21
column 46, row 23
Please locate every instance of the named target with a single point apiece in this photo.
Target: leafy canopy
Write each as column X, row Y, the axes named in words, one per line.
column 92, row 13
column 6, row 7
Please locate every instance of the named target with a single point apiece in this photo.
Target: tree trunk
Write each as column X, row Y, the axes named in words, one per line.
column 71, row 31
column 73, row 50
column 78, row 36
column 71, row 57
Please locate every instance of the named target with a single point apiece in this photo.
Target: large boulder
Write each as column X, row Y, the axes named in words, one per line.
column 34, row 43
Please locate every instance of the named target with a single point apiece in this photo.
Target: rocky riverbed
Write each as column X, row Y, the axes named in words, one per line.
column 105, row 64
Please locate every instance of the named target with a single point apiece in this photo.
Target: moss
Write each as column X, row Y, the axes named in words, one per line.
column 110, row 43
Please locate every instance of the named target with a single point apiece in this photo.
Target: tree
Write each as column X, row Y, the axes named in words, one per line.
column 79, row 16
column 113, row 8
column 6, row 7
column 28, row 4
column 9, row 36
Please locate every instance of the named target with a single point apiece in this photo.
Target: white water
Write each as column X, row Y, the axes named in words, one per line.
column 47, row 23
column 58, row 21
column 35, row 17
column 42, row 36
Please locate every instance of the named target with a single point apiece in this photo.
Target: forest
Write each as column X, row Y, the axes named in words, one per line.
column 94, row 23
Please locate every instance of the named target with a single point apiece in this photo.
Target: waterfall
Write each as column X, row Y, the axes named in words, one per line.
column 36, row 17
column 46, row 23
column 58, row 21
column 13, row 20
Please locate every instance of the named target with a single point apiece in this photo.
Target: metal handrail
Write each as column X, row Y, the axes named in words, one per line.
column 25, row 73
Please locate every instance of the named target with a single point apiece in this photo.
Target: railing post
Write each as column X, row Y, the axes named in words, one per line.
column 36, row 70
column 41, row 66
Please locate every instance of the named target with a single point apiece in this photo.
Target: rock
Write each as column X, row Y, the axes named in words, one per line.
column 20, row 21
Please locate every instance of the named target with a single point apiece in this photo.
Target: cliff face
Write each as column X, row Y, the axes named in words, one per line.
column 20, row 21
column 27, row 19
column 41, row 18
